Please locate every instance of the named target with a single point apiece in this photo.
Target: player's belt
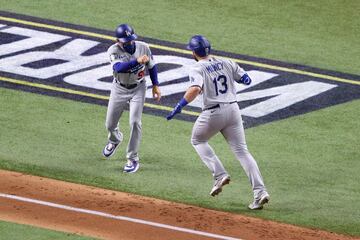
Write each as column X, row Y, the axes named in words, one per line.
column 129, row 86
column 216, row 106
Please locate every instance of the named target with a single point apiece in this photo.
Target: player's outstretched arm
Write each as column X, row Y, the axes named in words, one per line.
column 189, row 96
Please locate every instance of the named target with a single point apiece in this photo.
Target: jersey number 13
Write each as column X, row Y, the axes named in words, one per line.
column 222, row 81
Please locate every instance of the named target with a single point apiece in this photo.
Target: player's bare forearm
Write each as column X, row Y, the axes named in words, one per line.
column 192, row 93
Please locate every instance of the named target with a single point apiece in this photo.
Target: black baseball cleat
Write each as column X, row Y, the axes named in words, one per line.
column 110, row 149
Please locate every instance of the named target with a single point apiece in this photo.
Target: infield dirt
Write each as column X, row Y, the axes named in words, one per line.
column 133, row 206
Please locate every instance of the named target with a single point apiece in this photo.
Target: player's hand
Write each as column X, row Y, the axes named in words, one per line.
column 176, row 110
column 156, row 93
column 143, row 59
column 245, row 79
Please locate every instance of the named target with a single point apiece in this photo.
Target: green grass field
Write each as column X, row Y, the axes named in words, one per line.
column 21, row 232
column 310, row 163
column 296, row 172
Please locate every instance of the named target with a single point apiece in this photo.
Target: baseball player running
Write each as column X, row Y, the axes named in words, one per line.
column 215, row 78
column 129, row 60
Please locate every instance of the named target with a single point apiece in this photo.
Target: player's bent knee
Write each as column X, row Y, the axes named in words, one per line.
column 135, row 124
column 195, row 141
column 110, row 128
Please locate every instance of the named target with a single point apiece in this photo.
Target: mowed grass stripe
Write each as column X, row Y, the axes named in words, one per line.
column 177, row 50
column 86, row 94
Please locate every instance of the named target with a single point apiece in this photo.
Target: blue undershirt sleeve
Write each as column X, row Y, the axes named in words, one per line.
column 153, row 76
column 183, row 102
column 123, row 67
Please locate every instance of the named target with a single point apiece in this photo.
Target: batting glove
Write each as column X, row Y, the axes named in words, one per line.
column 177, row 108
column 245, row 79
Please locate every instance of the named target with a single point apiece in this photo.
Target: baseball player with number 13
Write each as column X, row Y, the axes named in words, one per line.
column 215, row 78
column 129, row 59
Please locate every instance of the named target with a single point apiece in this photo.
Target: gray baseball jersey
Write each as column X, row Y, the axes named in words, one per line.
column 122, row 96
column 137, row 73
column 217, row 78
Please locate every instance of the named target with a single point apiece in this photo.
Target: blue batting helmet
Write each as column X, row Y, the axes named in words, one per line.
column 125, row 33
column 200, row 45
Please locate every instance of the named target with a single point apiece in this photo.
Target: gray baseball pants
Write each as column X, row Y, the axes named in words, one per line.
column 119, row 98
column 227, row 120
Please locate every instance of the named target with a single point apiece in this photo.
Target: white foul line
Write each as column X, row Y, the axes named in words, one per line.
column 107, row 215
